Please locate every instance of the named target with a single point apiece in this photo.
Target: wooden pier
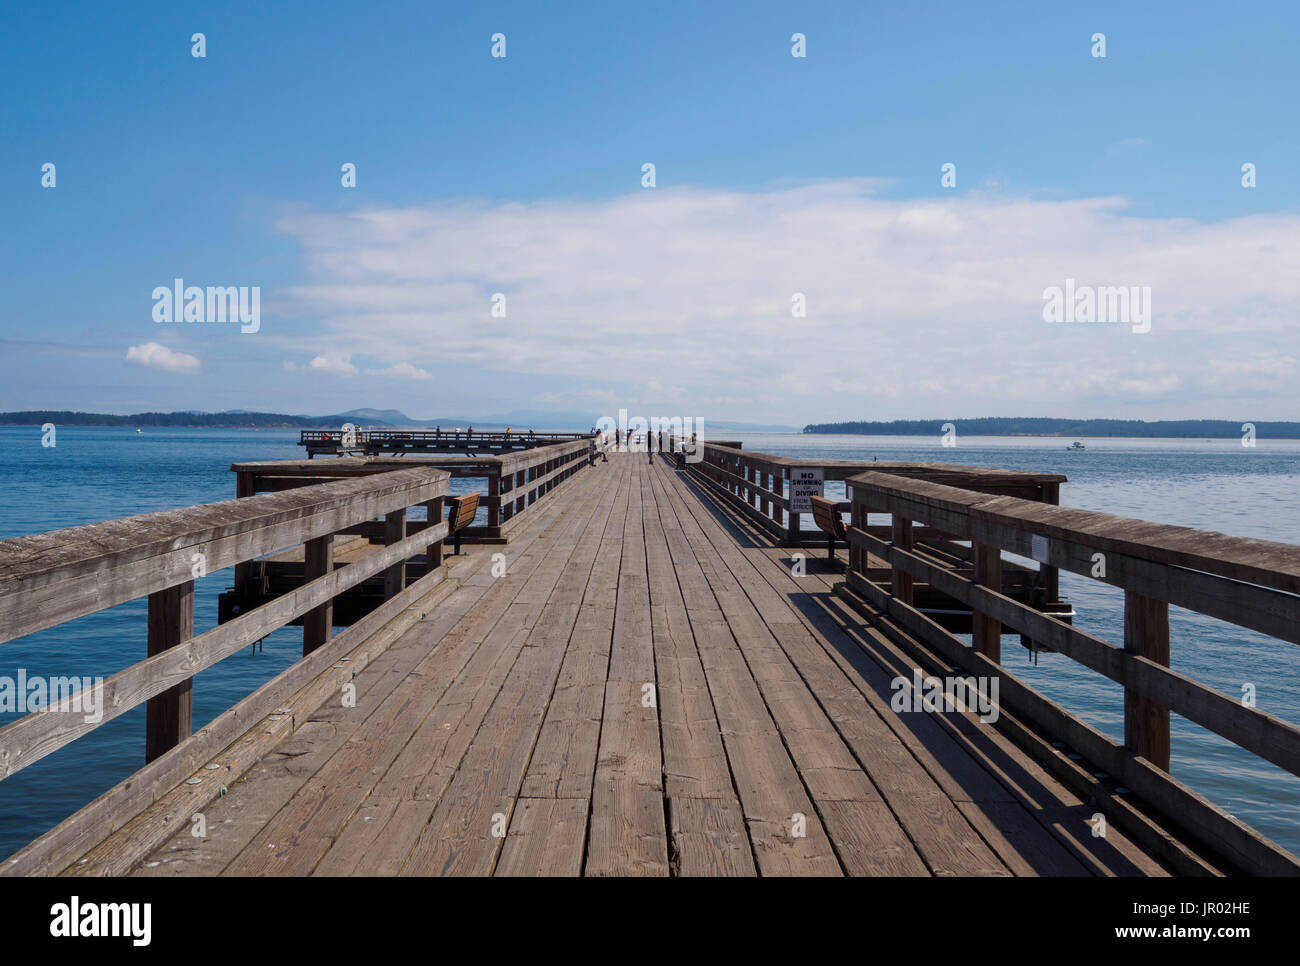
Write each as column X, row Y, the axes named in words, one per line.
column 647, row 669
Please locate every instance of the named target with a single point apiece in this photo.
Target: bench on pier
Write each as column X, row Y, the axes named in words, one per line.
column 461, row 513
column 826, row 514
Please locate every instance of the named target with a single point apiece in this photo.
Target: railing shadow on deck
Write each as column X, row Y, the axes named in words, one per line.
column 1251, row 583
column 858, row 649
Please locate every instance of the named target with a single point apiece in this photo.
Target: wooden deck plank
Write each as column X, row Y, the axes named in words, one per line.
column 545, row 839
column 709, row 838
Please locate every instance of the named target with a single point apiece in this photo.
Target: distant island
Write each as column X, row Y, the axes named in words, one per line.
column 361, row 418
column 1046, row 426
column 230, row 420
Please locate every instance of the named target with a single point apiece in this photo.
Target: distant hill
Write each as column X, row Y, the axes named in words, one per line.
column 230, row 420
column 245, row 419
column 1046, row 426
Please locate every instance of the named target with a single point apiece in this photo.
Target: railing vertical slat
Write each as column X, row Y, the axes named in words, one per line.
column 433, row 555
column 317, row 623
column 792, row 524
column 901, row 580
column 1146, row 634
column 168, row 715
column 245, row 485
column 986, row 631
column 394, row 532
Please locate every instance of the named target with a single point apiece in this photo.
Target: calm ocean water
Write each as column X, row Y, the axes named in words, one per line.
column 100, row 473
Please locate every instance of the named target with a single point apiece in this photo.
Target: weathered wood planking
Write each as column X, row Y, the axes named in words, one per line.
column 237, row 818
column 485, row 651
column 949, row 747
column 647, row 690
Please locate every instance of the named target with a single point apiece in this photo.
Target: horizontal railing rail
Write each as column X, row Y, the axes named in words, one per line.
column 376, row 441
column 512, row 482
column 758, row 484
column 527, row 476
column 49, row 578
column 1253, row 584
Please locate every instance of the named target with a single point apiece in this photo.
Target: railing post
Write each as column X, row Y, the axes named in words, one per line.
column 900, row 580
column 317, row 623
column 792, row 535
column 168, row 715
column 245, row 485
column 394, row 531
column 1049, row 575
column 1146, row 634
column 433, row 555
column 858, row 519
column 494, row 490
column 986, row 631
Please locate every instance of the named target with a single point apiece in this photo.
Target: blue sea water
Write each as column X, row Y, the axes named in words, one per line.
column 101, row 473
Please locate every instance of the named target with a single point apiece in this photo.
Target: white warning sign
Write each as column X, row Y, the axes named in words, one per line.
column 805, row 483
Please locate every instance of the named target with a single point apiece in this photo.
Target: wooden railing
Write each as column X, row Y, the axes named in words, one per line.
column 758, row 484
column 512, row 482
column 375, row 441
column 49, row 578
column 1254, row 584
column 525, row 477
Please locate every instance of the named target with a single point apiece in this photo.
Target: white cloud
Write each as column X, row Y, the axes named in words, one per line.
column 915, row 308
column 402, row 370
column 339, row 364
column 157, row 356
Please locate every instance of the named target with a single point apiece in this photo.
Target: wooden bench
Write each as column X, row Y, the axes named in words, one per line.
column 461, row 511
column 826, row 514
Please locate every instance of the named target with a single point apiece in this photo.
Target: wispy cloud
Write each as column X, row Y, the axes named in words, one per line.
column 157, row 356
column 402, row 370
column 913, row 307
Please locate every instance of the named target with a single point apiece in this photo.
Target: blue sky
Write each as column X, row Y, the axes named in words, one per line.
column 775, row 175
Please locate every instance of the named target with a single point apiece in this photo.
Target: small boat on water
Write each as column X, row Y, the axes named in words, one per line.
column 1076, row 445
column 139, row 430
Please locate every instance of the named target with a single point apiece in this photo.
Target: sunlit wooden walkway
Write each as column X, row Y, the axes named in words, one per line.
column 647, row 690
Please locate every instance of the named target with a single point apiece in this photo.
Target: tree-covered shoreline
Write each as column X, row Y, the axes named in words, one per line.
column 1047, row 426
